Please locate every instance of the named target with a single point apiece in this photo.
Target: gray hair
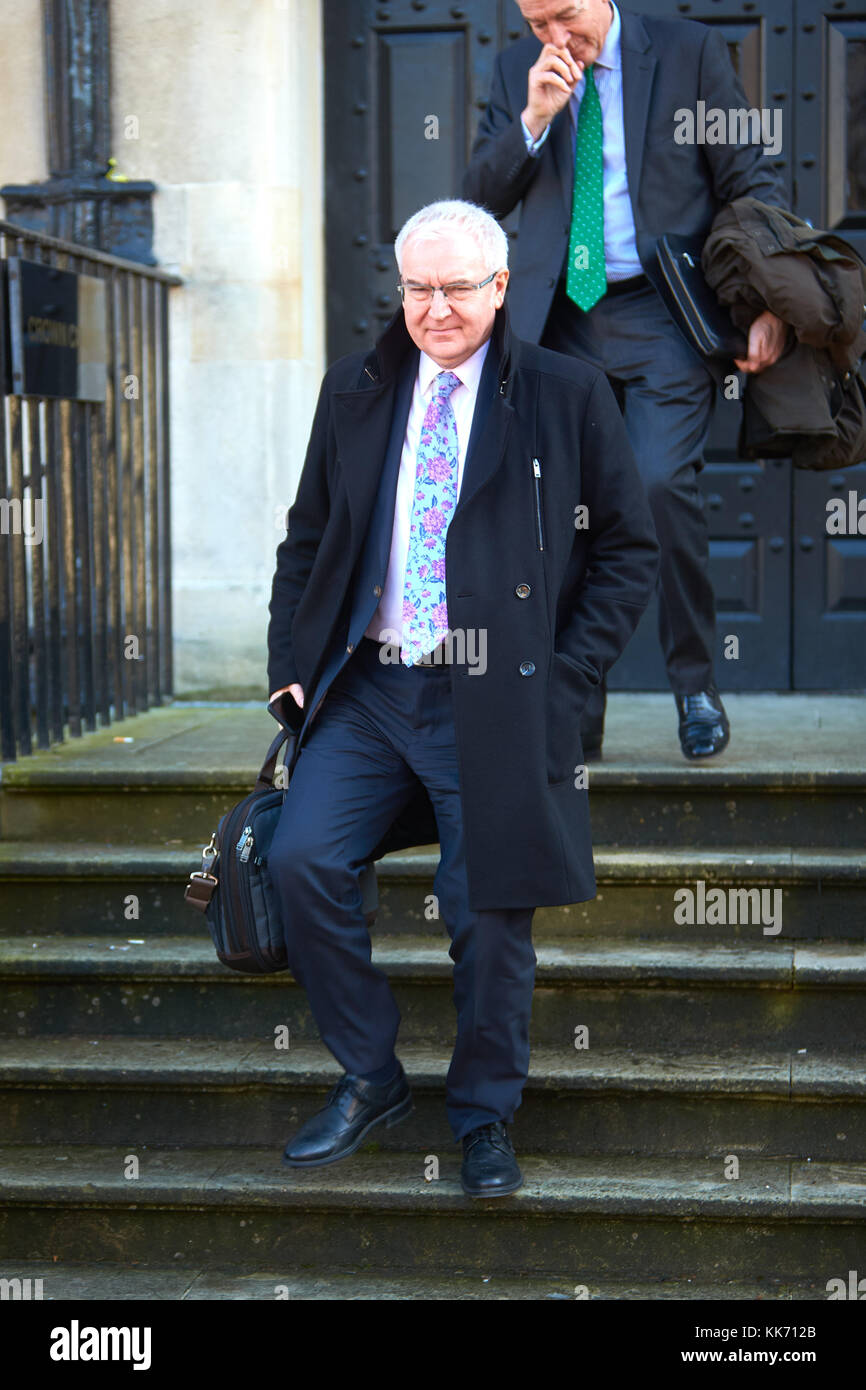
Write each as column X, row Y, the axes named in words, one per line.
column 455, row 215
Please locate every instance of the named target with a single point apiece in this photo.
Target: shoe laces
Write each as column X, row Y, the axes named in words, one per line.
column 344, row 1087
column 700, row 706
column 495, row 1133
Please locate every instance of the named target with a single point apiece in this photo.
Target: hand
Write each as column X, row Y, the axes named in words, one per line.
column 767, row 337
column 296, row 692
column 552, row 79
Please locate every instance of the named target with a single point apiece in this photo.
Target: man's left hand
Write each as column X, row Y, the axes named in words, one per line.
column 766, row 341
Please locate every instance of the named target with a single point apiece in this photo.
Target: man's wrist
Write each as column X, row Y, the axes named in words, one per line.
column 533, row 129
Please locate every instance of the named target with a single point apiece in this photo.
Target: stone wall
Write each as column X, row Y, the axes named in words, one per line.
column 23, row 152
column 220, row 104
column 228, row 98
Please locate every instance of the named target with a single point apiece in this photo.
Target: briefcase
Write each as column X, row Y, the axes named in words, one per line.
column 233, row 887
column 691, row 303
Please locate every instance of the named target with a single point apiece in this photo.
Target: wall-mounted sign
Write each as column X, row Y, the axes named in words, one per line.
column 58, row 344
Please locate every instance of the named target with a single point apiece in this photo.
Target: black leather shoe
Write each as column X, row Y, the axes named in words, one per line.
column 353, row 1107
column 704, row 727
column 489, row 1166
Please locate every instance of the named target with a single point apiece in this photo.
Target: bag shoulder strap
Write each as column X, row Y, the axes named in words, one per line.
column 265, row 779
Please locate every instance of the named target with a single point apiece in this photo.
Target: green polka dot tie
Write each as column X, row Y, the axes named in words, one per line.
column 586, row 280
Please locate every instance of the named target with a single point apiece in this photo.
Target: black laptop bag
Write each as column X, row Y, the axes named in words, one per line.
column 233, row 887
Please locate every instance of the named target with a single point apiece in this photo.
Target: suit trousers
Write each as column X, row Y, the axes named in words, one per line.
column 666, row 395
column 382, row 729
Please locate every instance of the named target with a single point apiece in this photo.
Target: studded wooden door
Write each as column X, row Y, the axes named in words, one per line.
column 748, row 505
column 405, row 83
column 829, row 567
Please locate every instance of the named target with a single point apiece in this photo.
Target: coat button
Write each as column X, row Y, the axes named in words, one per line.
column 523, row 591
column 527, row 668
column 351, row 647
column 377, row 590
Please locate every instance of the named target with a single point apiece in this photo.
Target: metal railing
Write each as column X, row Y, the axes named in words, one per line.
column 85, row 611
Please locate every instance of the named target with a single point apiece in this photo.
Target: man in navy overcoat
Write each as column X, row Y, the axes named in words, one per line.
column 469, row 550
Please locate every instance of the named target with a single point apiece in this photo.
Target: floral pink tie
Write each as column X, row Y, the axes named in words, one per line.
column 425, row 614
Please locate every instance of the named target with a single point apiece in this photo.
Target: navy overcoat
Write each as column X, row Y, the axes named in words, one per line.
column 551, row 551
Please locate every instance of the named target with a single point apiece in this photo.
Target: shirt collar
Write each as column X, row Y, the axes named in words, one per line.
column 469, row 371
column 611, row 55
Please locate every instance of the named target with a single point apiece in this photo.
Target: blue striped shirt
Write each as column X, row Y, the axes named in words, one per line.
column 620, row 248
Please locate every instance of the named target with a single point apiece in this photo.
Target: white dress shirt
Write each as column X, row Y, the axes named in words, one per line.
column 389, row 613
column 620, row 248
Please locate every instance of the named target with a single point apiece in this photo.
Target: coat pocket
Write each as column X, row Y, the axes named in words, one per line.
column 539, row 510
column 568, row 690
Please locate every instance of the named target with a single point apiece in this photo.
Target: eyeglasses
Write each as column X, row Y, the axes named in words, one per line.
column 425, row 294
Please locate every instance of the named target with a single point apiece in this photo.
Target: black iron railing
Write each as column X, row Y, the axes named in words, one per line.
column 85, row 609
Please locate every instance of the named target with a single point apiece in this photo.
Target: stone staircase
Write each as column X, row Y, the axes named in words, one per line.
column 125, row 1047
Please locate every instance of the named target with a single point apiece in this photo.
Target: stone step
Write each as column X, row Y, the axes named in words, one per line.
column 794, row 775
column 631, row 807
column 61, row 887
column 75, row 1282
column 768, row 992
column 81, row 1090
column 643, row 1218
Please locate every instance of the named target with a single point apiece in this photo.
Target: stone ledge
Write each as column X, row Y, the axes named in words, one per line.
column 112, row 1063
column 251, row 1179
column 793, row 740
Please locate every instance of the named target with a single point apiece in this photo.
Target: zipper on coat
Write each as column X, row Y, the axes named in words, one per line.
column 536, row 478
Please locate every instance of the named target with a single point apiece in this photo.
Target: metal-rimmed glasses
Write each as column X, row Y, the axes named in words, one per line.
column 425, row 294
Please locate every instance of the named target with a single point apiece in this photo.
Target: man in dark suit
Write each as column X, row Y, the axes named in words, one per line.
column 583, row 130
column 469, row 550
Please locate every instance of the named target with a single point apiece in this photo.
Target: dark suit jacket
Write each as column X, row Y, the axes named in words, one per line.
column 667, row 64
column 557, row 600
